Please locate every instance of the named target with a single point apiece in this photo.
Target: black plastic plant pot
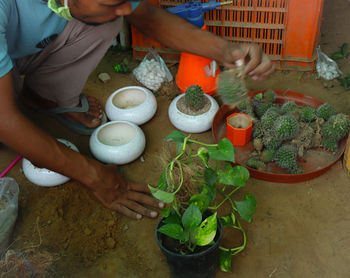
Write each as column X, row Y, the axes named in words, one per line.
column 202, row 264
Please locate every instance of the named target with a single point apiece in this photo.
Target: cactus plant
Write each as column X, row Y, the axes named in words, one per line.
column 261, row 108
column 337, row 127
column 308, row 114
column 289, row 107
column 231, row 87
column 269, row 96
column 271, row 141
column 285, row 156
column 256, row 164
column 329, row 144
column 269, row 117
column 325, row 111
column 286, row 127
column 194, row 97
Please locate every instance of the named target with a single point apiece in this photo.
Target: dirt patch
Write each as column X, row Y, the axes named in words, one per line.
column 292, row 234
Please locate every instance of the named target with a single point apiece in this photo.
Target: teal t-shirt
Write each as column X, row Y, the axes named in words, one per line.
column 26, row 27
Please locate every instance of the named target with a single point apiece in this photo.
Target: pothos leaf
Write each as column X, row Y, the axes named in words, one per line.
column 176, row 136
column 237, row 175
column 206, row 232
column 210, row 176
column 225, row 259
column 247, row 207
column 162, row 181
column 228, row 220
column 202, row 200
column 192, row 217
column 161, row 195
column 173, row 231
column 166, row 211
column 224, row 151
column 204, row 156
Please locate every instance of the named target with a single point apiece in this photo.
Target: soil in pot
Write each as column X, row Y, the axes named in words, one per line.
column 239, row 121
column 181, row 105
column 201, row 264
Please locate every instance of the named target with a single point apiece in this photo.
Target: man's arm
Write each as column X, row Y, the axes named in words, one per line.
column 20, row 134
column 176, row 33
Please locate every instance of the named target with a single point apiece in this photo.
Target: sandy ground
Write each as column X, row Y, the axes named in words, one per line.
column 299, row 230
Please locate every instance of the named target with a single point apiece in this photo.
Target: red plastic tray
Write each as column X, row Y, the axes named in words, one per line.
column 315, row 162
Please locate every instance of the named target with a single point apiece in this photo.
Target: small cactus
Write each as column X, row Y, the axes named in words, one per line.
column 308, row 114
column 285, row 157
column 325, row 111
column 256, row 164
column 289, row 107
column 194, row 97
column 261, row 108
column 286, row 127
column 337, row 127
column 269, row 96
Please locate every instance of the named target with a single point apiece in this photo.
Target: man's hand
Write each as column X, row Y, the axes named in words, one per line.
column 256, row 63
column 123, row 196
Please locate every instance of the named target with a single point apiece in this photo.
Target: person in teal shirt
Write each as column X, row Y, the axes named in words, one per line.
column 55, row 46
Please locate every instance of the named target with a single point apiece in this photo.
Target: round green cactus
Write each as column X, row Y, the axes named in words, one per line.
column 286, row 127
column 258, row 130
column 297, row 169
column 261, row 108
column 325, row 111
column 308, row 114
column 329, row 144
column 269, row 117
column 194, row 97
column 256, row 164
column 285, row 156
column 289, row 107
column 271, row 141
column 269, row 96
column 337, row 127
column 245, row 104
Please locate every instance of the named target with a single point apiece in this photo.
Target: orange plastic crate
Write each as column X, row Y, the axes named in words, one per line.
column 287, row 30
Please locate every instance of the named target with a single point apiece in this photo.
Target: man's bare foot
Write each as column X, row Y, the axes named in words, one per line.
column 90, row 119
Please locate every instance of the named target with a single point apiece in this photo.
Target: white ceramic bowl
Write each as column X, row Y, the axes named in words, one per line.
column 43, row 176
column 117, row 142
column 192, row 123
column 133, row 104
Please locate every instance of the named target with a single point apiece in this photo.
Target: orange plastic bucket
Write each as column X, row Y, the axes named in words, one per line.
column 239, row 136
column 192, row 71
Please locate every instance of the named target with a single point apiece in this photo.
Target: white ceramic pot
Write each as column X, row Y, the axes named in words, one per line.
column 133, row 104
column 117, row 142
column 43, row 176
column 192, row 123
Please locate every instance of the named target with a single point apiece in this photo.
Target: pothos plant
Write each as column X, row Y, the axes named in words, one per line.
column 183, row 219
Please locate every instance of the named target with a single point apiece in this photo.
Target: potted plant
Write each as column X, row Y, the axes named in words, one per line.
column 193, row 111
column 190, row 231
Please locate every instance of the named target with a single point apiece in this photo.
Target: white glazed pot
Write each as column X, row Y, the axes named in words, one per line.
column 192, row 123
column 133, row 104
column 117, row 142
column 43, row 176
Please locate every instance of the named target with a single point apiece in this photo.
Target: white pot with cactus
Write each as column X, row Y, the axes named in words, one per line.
column 193, row 111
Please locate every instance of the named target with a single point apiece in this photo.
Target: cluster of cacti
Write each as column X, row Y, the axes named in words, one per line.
column 194, row 97
column 282, row 133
